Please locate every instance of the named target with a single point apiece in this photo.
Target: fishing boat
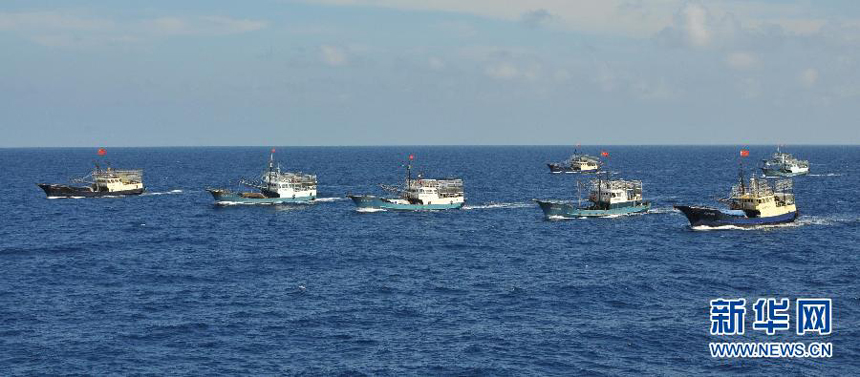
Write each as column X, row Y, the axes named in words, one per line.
column 577, row 163
column 754, row 204
column 274, row 187
column 784, row 165
column 419, row 194
column 606, row 198
column 100, row 182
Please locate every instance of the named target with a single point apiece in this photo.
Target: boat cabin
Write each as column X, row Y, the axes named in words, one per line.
column 617, row 193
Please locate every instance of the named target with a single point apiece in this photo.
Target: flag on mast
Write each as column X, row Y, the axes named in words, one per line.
column 745, row 153
column 102, row 152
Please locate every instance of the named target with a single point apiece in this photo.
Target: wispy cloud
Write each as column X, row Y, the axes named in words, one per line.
column 333, row 56
column 537, row 18
column 742, row 60
column 74, row 29
column 809, row 77
column 50, row 21
column 202, row 26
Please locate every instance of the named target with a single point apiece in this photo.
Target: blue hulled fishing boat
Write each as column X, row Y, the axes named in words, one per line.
column 607, row 198
column 419, row 194
column 275, row 187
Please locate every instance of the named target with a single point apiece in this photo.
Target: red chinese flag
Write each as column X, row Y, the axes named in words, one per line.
column 102, row 152
column 411, row 157
column 745, row 153
column 604, row 154
column 273, row 150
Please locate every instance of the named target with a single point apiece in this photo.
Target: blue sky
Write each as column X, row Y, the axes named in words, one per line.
column 380, row 72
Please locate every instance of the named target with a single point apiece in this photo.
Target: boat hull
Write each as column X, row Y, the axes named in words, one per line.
column 227, row 197
column 560, row 168
column 783, row 173
column 712, row 217
column 553, row 209
column 372, row 202
column 63, row 191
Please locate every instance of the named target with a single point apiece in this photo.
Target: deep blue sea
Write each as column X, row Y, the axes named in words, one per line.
column 169, row 284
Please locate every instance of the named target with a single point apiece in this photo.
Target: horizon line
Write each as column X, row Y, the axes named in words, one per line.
column 427, row 145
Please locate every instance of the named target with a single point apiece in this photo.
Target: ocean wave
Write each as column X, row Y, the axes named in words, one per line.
column 229, row 203
column 162, row 192
column 662, row 210
column 492, row 205
column 329, row 200
column 826, row 175
column 705, row 228
column 369, row 210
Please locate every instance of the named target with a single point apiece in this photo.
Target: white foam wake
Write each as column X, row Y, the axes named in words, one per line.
column 369, row 210
column 801, row 221
column 499, row 205
column 329, row 200
column 660, row 210
column 163, row 192
column 705, row 228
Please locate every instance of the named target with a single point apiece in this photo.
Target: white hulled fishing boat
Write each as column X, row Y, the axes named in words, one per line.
column 275, row 187
column 784, row 165
column 416, row 195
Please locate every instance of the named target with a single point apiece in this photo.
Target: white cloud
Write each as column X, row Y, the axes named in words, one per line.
column 696, row 24
column 205, row 25
column 436, row 63
column 503, row 71
column 809, row 77
column 562, row 75
column 45, row 22
column 607, row 16
column 742, row 60
column 537, row 18
column 657, row 90
column 333, row 56
column 750, row 88
column 67, row 29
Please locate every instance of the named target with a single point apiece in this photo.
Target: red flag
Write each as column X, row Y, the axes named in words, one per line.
column 273, row 150
column 102, row 152
column 411, row 157
column 745, row 153
column 604, row 154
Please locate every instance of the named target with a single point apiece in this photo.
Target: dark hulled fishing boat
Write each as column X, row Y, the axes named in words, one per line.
column 100, row 182
column 577, row 163
column 749, row 204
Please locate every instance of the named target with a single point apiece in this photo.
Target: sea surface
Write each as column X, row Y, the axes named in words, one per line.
column 168, row 283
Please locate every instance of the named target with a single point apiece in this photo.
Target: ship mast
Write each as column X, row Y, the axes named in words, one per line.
column 271, row 169
column 409, row 172
column 741, row 185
